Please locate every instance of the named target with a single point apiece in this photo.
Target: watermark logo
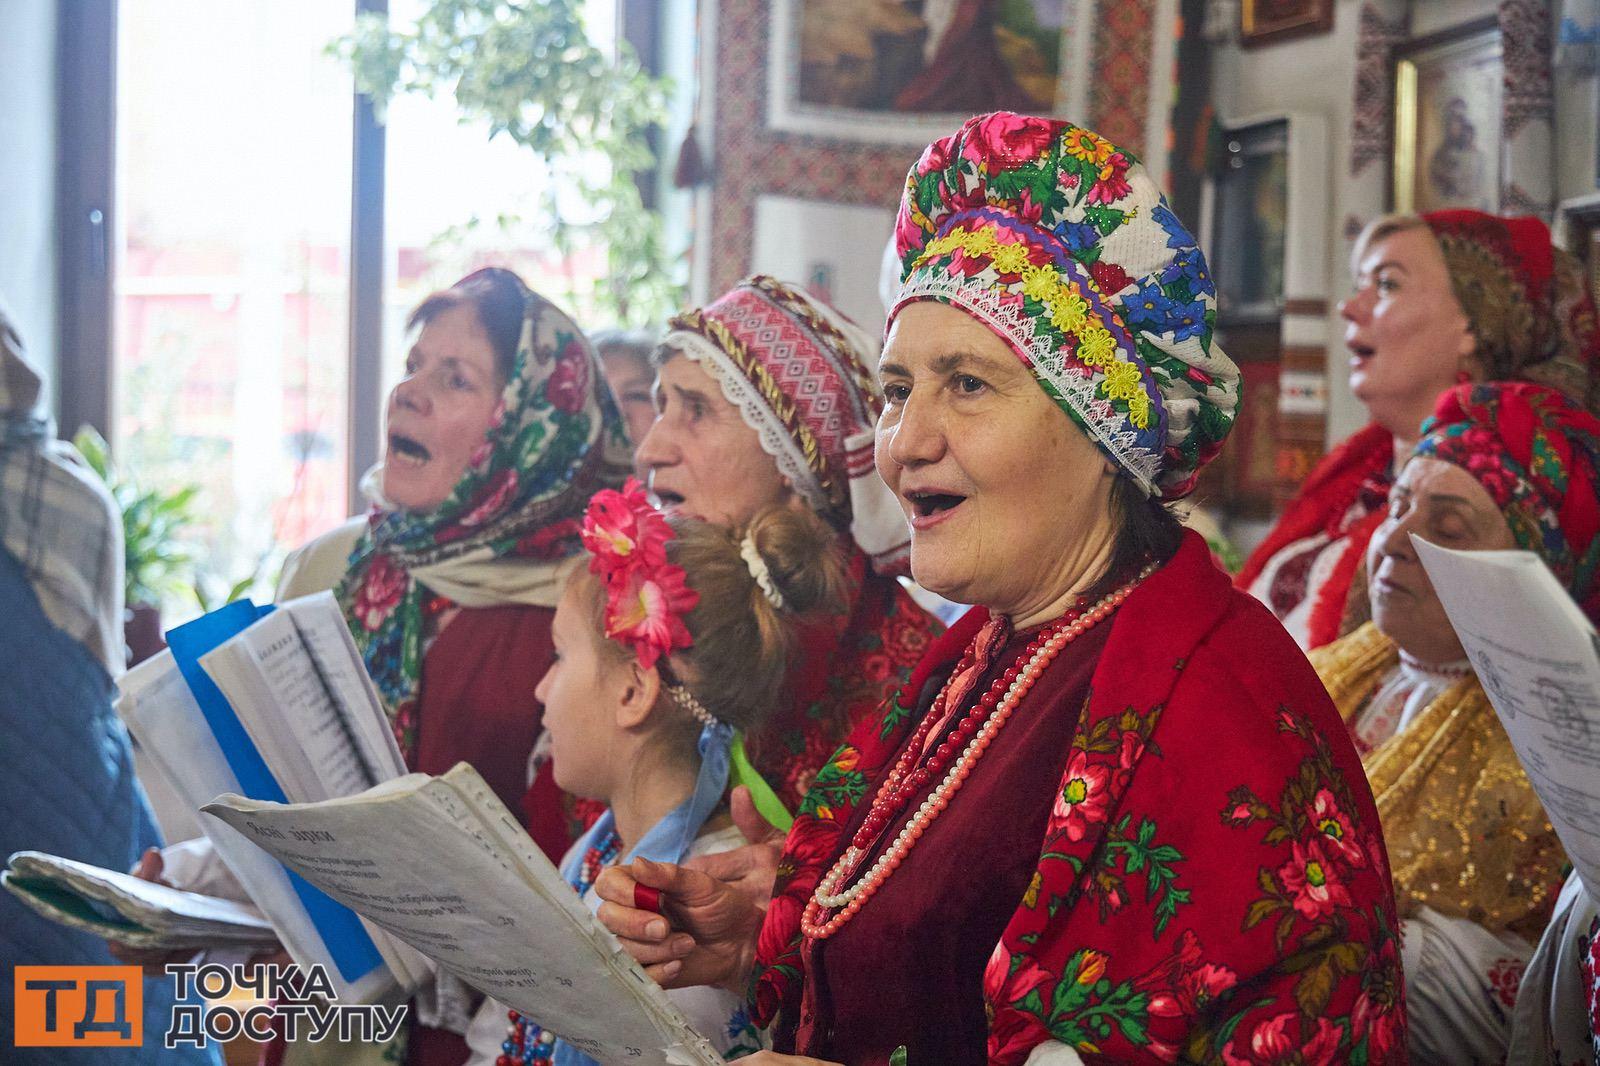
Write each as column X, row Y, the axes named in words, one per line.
column 103, row 1006
column 298, row 1004
column 79, row 1006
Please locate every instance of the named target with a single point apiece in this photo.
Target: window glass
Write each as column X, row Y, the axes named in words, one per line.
column 458, row 200
column 231, row 350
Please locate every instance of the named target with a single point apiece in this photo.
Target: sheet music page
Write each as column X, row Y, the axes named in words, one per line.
column 294, row 713
column 326, row 636
column 418, row 858
column 1539, row 661
column 160, row 709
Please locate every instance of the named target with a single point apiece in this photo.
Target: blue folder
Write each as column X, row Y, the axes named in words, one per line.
column 352, row 950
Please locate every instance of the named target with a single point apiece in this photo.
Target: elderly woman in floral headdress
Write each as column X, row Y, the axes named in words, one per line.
column 496, row 435
column 1447, row 298
column 1476, row 862
column 1112, row 817
column 766, row 395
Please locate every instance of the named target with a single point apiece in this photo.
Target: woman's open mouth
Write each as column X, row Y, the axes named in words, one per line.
column 404, row 451
column 931, row 508
column 666, row 498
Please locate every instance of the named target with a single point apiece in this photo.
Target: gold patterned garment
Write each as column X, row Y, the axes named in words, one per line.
column 1466, row 834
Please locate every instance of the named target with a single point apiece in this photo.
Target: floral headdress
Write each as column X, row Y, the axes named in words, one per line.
column 647, row 597
column 1537, row 453
column 1062, row 245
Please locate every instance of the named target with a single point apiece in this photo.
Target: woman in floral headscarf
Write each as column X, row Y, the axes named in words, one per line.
column 766, row 396
column 496, row 436
column 1042, row 853
column 1476, row 863
column 1447, row 298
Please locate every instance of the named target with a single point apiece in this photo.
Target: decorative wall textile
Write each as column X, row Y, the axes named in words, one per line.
column 1383, row 28
column 751, row 159
column 1527, row 42
column 1120, row 98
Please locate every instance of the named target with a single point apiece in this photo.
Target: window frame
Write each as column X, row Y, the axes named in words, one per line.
column 86, row 198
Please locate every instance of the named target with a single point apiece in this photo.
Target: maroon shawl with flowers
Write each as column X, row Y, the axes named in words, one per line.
column 1212, row 885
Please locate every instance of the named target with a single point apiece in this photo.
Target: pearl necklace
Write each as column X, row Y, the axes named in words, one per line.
column 830, row 892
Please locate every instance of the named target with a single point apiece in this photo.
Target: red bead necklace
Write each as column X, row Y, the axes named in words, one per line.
column 911, row 772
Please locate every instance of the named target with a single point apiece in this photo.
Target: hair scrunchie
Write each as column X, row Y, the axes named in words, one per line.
column 758, row 570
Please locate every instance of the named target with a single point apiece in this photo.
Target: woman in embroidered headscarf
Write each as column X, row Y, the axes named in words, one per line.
column 1447, row 298
column 495, row 438
column 1112, row 817
column 1476, row 863
column 766, row 396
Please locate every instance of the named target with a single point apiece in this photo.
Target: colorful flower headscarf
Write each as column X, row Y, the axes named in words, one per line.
column 801, row 375
column 1526, row 301
column 1538, row 455
column 510, row 521
column 1058, row 241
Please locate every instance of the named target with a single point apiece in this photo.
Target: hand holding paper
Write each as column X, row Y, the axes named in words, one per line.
column 441, row 864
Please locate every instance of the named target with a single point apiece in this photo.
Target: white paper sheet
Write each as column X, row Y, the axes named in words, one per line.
column 159, row 708
column 273, row 686
column 326, row 636
column 1539, row 661
column 119, row 906
column 441, row 864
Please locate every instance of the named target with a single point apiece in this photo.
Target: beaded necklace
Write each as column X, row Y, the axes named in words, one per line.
column 912, row 772
column 525, row 1041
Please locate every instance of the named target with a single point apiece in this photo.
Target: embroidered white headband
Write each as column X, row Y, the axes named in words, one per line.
column 799, row 374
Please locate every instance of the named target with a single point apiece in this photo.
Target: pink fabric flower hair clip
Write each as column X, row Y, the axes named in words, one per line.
column 646, row 596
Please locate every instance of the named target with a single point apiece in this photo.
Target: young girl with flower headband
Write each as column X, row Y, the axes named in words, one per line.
column 675, row 639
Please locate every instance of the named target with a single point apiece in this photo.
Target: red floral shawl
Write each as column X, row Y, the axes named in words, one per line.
column 1358, row 468
column 846, row 669
column 1216, row 890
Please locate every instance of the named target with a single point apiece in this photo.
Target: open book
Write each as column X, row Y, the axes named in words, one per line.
column 120, row 907
column 441, row 864
column 274, row 703
column 1539, row 661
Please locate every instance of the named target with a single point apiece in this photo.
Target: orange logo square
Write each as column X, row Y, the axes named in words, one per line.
column 79, row 1006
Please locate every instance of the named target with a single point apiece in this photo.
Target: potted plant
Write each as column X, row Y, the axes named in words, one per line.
column 155, row 561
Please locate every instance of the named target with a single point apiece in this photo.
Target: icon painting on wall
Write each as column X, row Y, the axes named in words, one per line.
column 841, row 62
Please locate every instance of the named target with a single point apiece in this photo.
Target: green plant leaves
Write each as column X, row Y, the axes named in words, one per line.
column 532, row 73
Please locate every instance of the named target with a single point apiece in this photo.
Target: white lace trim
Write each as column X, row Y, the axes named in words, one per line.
column 775, row 439
column 1104, row 422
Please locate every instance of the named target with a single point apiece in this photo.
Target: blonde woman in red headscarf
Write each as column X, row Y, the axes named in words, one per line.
column 1440, row 300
